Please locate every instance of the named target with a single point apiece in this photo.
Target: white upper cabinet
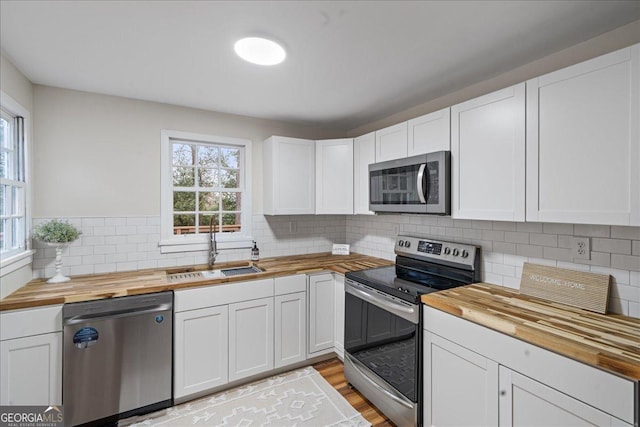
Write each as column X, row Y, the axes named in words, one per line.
column 289, row 176
column 583, row 142
column 364, row 153
column 488, row 156
column 391, row 142
column 429, row 133
column 334, row 176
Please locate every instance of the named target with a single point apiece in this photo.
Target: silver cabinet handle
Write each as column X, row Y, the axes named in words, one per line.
column 116, row 314
column 420, row 188
column 380, row 301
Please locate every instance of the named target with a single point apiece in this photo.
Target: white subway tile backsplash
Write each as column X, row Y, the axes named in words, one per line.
column 129, row 243
column 591, row 230
column 614, row 246
column 550, row 240
column 529, row 251
column 554, row 228
column 539, row 243
column 628, row 262
column 623, row 232
column 516, row 237
column 529, row 227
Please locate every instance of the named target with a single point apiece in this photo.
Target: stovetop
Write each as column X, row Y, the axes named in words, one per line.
column 422, row 266
column 385, row 280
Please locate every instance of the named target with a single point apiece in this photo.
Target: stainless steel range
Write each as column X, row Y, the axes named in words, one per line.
column 383, row 321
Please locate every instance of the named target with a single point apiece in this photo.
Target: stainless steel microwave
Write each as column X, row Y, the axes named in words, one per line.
column 418, row 184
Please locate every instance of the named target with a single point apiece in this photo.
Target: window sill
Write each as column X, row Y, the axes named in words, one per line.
column 15, row 262
column 168, row 246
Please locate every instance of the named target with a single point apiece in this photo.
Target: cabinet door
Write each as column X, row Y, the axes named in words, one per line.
column 525, row 402
column 429, row 133
column 488, row 156
column 289, row 176
column 334, row 176
column 339, row 306
column 364, row 153
column 391, row 142
column 31, row 370
column 250, row 338
column 583, row 142
column 321, row 314
column 290, row 328
column 460, row 386
column 200, row 350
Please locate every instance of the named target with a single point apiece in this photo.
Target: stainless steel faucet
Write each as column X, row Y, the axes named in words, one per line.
column 213, row 244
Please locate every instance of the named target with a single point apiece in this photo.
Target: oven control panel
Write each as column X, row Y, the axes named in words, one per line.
column 426, row 248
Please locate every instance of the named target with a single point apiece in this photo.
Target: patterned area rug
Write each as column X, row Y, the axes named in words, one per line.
column 298, row 398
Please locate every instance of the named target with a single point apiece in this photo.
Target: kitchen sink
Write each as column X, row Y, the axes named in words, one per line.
column 188, row 274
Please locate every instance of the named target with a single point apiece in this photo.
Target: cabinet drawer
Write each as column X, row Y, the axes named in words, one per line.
column 290, row 284
column 31, row 321
column 613, row 394
column 229, row 293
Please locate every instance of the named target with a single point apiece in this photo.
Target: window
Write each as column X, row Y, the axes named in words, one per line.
column 205, row 185
column 13, row 214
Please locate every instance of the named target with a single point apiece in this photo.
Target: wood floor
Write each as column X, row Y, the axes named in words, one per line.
column 333, row 371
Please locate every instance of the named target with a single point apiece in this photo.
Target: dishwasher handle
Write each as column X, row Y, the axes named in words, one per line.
column 116, row 314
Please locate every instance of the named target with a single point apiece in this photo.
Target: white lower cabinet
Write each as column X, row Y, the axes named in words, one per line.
column 201, row 350
column 31, row 356
column 456, row 378
column 321, row 294
column 525, row 402
column 250, row 338
column 474, row 375
column 237, row 338
column 31, row 370
column 290, row 328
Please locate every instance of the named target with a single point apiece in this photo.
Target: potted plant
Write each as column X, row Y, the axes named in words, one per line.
column 57, row 234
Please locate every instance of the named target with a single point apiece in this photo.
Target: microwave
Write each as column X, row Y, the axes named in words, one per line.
column 417, row 184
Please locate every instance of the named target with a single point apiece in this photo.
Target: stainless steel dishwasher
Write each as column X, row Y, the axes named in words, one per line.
column 117, row 358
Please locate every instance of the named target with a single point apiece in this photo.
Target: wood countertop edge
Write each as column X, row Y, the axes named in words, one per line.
column 119, row 284
column 613, row 360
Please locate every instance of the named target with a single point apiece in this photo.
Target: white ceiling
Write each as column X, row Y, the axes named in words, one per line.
column 349, row 62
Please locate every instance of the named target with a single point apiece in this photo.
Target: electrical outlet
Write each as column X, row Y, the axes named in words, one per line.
column 581, row 248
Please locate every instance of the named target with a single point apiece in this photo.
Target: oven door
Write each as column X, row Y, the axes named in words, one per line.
column 382, row 350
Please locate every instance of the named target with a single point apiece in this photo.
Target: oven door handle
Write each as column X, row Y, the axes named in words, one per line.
column 387, row 393
column 421, row 194
column 408, row 313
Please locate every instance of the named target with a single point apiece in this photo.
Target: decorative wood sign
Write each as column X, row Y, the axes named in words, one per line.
column 340, row 249
column 580, row 289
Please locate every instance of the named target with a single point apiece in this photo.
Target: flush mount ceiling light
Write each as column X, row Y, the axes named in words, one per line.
column 260, row 51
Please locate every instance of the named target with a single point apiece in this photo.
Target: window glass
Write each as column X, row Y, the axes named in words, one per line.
column 12, row 185
column 206, row 187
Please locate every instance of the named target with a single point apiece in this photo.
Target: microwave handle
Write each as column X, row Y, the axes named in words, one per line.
column 421, row 192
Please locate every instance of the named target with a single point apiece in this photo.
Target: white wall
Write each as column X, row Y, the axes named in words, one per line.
column 617, row 39
column 18, row 87
column 99, row 155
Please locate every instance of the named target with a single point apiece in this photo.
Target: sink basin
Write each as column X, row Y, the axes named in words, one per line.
column 212, row 274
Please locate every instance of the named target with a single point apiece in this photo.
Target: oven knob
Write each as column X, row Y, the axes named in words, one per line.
column 456, row 252
column 407, row 244
column 447, row 251
column 401, row 243
column 465, row 253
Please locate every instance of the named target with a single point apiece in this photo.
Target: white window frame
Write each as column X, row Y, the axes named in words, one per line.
column 170, row 243
column 13, row 261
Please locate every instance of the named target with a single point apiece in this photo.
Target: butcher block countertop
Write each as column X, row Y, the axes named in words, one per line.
column 100, row 286
column 610, row 342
